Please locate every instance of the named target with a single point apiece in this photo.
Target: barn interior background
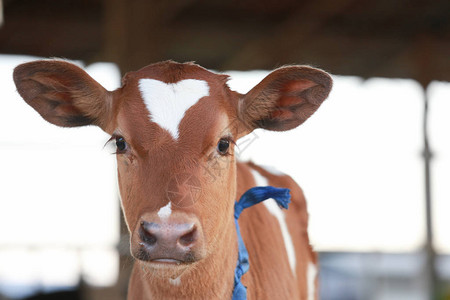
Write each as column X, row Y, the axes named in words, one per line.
column 374, row 161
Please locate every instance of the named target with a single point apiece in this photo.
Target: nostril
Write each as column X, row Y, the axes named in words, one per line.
column 146, row 235
column 149, row 239
column 188, row 238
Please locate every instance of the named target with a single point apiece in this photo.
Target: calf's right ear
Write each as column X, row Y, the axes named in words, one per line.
column 63, row 94
column 283, row 100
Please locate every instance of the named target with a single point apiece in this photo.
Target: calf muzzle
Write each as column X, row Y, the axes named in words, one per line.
column 169, row 242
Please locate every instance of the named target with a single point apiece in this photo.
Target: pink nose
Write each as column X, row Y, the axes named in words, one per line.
column 168, row 242
column 172, row 235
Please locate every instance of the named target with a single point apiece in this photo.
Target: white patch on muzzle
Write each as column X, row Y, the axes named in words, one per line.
column 165, row 211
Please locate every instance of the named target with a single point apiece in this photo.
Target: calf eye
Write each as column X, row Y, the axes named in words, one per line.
column 223, row 146
column 121, row 144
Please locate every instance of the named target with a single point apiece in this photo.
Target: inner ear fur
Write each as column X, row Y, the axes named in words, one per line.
column 62, row 93
column 285, row 98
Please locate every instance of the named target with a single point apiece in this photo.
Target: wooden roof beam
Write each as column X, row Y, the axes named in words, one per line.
column 137, row 32
column 286, row 39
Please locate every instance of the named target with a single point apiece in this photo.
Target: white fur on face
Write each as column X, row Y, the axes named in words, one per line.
column 166, row 211
column 176, row 281
column 168, row 103
column 276, row 211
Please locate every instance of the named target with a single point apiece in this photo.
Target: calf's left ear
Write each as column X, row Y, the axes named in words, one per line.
column 63, row 94
column 284, row 99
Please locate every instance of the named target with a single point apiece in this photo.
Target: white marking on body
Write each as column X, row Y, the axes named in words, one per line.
column 273, row 170
column 168, row 103
column 165, row 211
column 176, row 281
column 311, row 280
column 276, row 211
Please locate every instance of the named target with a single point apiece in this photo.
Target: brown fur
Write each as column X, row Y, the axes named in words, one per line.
column 66, row 96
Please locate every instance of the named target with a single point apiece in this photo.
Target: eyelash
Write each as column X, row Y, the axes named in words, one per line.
column 230, row 141
column 117, row 138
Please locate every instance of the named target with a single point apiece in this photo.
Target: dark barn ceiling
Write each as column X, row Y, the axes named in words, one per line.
column 406, row 38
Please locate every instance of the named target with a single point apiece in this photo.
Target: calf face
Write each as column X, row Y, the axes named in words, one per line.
column 174, row 127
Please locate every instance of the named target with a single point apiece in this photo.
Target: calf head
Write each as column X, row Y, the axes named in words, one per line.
column 174, row 127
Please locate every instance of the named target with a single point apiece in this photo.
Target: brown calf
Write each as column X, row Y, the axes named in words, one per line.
column 175, row 126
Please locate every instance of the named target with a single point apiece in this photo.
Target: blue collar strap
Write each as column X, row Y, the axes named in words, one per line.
column 251, row 197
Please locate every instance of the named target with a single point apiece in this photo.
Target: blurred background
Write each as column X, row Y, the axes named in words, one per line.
column 374, row 161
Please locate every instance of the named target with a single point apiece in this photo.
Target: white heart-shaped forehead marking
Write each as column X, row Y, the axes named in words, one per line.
column 167, row 103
